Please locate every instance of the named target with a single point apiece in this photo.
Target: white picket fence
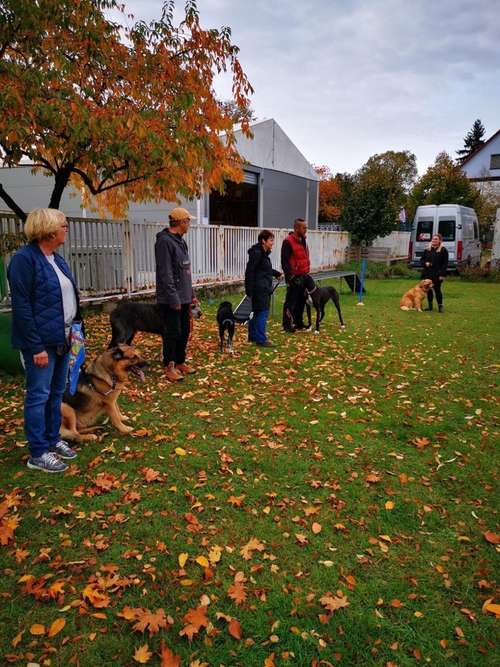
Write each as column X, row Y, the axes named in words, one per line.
column 115, row 257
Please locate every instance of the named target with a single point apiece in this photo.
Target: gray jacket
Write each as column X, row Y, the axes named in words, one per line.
column 173, row 270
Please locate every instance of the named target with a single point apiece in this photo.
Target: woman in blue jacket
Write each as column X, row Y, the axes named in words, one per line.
column 44, row 305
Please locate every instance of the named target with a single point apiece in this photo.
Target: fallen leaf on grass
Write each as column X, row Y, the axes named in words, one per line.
column 252, row 545
column 237, row 593
column 334, row 602
column 182, row 558
column 316, row 528
column 37, row 629
column 420, row 443
column 489, row 607
column 168, row 658
column 180, row 452
column 491, row 537
column 234, row 628
column 373, row 478
column 17, row 639
column 95, row 597
column 143, row 654
column 389, row 505
column 56, row 627
column 195, row 619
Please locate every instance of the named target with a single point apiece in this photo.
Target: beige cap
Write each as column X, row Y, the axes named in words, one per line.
column 179, row 214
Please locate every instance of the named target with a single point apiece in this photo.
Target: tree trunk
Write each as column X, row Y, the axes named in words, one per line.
column 62, row 178
column 12, row 204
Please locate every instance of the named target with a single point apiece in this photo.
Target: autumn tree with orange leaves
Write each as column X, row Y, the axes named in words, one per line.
column 329, row 195
column 121, row 113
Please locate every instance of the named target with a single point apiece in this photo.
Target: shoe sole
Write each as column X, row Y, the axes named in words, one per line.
column 35, row 467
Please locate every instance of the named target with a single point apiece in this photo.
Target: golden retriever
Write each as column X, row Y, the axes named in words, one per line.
column 413, row 298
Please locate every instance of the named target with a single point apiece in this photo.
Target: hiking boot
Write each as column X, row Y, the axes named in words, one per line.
column 441, row 308
column 47, row 462
column 63, row 450
column 172, row 374
column 184, row 369
column 266, row 343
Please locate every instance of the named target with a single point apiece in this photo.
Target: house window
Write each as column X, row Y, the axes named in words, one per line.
column 495, row 161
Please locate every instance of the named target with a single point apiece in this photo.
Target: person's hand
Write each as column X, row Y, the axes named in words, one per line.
column 427, row 264
column 41, row 359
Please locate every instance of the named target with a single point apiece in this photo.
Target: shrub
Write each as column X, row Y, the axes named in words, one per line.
column 480, row 274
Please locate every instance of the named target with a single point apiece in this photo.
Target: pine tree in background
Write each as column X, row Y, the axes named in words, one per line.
column 473, row 140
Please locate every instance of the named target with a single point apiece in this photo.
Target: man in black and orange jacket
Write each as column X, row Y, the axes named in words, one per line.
column 296, row 266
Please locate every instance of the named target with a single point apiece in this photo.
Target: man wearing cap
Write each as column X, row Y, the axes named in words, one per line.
column 174, row 292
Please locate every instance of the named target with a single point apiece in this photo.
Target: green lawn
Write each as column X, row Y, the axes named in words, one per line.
column 358, row 469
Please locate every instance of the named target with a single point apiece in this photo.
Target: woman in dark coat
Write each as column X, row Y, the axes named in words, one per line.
column 435, row 263
column 258, row 286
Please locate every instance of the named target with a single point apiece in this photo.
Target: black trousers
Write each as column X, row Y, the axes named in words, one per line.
column 293, row 308
column 437, row 289
column 176, row 335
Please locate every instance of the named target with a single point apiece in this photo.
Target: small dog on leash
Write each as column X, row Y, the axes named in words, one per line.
column 319, row 297
column 412, row 299
column 226, row 321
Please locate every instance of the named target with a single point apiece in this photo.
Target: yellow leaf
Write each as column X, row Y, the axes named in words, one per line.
column 56, row 627
column 488, row 606
column 183, row 559
column 37, row 629
column 389, row 505
column 214, row 555
column 180, row 452
column 186, row 582
column 201, row 560
column 142, row 654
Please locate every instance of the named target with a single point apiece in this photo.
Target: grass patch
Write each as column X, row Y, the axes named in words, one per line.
column 363, row 463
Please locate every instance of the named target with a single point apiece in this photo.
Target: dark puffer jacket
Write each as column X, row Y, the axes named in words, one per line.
column 259, row 277
column 37, row 305
column 174, row 284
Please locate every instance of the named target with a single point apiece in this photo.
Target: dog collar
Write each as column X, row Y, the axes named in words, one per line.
column 104, row 393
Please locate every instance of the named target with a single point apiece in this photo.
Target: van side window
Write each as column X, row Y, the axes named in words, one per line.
column 476, row 230
column 424, row 229
column 447, row 228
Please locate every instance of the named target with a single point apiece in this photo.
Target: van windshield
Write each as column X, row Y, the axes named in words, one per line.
column 447, row 228
column 424, row 229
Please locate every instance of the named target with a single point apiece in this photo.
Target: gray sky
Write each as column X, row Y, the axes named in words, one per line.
column 349, row 78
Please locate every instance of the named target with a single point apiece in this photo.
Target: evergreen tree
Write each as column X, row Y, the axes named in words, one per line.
column 473, row 140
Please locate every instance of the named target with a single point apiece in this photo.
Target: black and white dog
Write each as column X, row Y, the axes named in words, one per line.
column 319, row 297
column 129, row 317
column 226, row 321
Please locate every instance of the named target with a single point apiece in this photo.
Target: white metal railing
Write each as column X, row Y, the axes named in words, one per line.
column 113, row 257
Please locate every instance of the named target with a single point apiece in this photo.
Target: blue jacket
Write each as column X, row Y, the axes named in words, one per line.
column 36, row 298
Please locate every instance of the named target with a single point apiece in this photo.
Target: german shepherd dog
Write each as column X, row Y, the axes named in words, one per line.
column 98, row 390
column 319, row 297
column 129, row 317
column 226, row 321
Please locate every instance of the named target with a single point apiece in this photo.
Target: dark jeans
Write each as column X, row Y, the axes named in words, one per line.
column 42, row 404
column 257, row 327
column 177, row 326
column 437, row 289
column 293, row 308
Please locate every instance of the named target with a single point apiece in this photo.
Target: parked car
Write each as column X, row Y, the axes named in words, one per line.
column 459, row 228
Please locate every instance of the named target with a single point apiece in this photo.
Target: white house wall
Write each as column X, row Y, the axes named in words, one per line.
column 479, row 165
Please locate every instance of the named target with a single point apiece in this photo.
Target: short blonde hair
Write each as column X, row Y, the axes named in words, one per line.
column 42, row 222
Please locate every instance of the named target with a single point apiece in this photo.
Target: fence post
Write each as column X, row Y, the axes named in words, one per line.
column 220, row 252
column 128, row 257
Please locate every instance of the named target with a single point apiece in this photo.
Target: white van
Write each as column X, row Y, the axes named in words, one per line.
column 459, row 228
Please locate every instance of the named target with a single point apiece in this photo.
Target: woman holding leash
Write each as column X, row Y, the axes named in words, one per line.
column 259, row 286
column 435, row 263
column 44, row 306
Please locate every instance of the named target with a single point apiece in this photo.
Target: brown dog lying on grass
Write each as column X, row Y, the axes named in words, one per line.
column 99, row 387
column 413, row 298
